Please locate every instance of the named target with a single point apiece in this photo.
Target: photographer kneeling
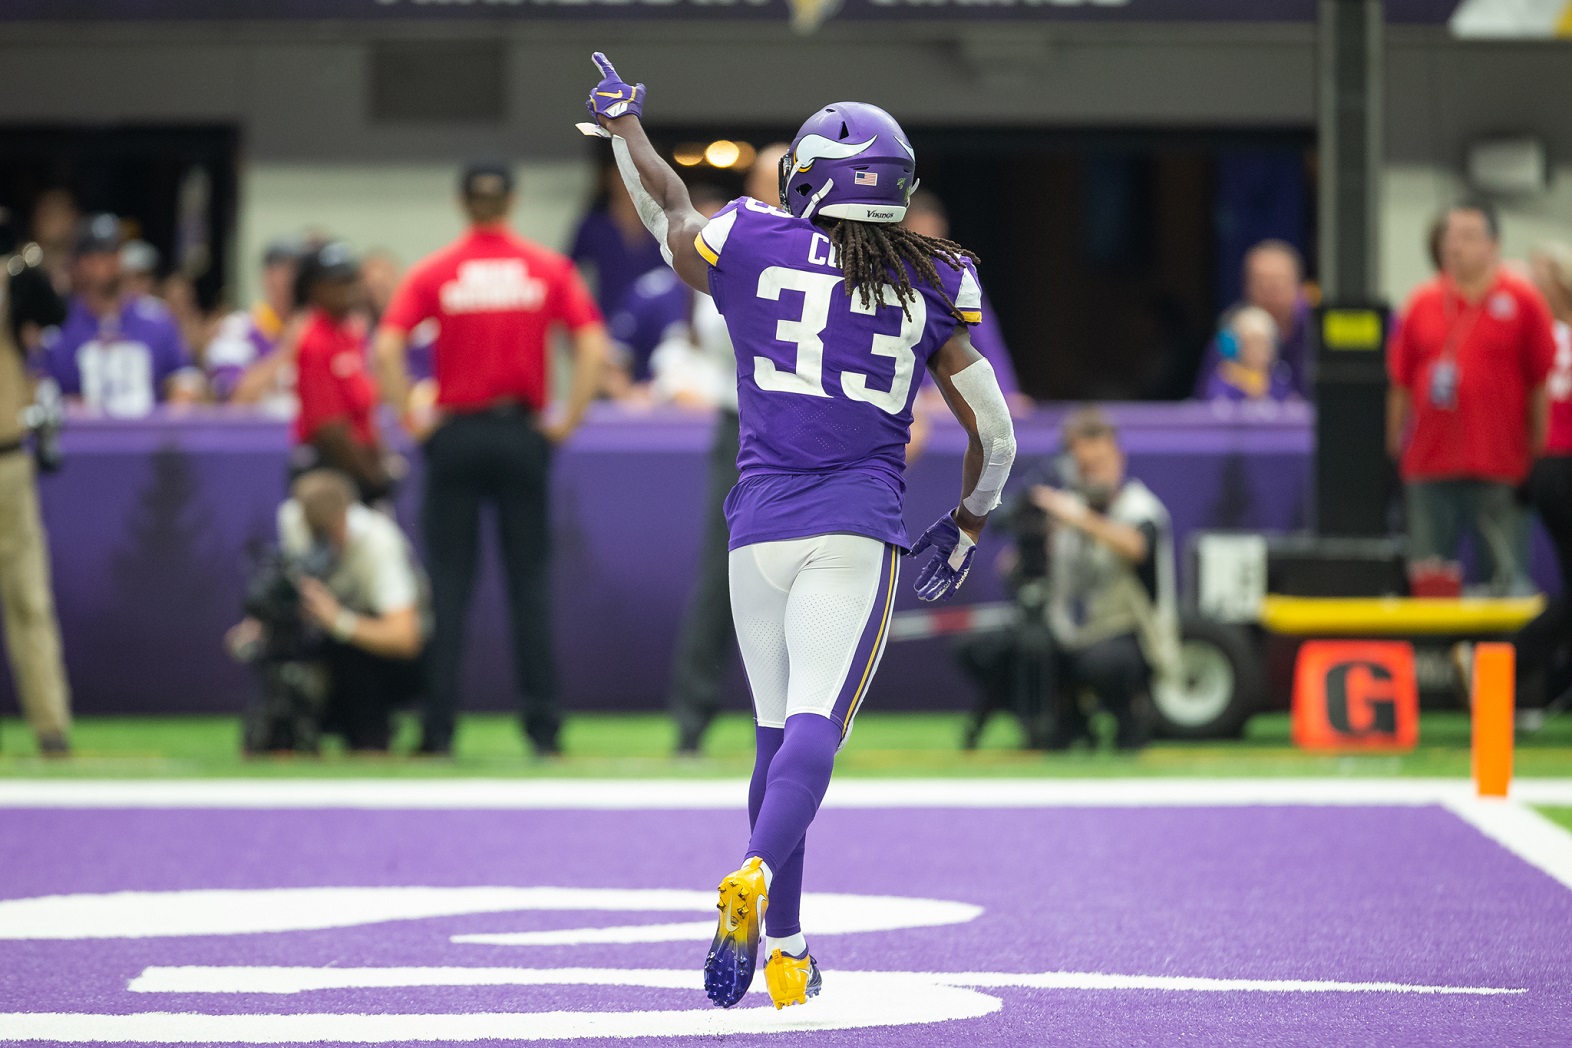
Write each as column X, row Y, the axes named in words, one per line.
column 361, row 600
column 1095, row 584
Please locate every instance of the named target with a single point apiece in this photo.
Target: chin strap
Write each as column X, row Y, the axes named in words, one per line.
column 829, row 184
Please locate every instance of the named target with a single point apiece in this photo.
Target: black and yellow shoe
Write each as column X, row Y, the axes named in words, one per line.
column 792, row 980
column 728, row 970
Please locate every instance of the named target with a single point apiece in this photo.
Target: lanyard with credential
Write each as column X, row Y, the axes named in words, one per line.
column 1444, row 379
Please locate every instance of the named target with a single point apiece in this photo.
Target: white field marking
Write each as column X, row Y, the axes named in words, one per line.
column 857, row 1000
column 246, row 911
column 1186, row 983
column 1522, row 831
column 666, row 794
column 690, row 931
column 283, row 980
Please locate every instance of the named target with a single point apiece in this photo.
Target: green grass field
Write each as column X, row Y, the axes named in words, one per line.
column 639, row 745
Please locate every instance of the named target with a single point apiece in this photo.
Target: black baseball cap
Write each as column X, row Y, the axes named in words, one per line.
column 487, row 179
column 98, row 235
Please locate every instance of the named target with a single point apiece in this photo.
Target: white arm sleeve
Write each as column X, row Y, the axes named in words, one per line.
column 979, row 387
column 651, row 213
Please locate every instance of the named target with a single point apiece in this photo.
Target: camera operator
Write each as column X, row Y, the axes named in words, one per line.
column 1095, row 586
column 28, row 304
column 357, row 586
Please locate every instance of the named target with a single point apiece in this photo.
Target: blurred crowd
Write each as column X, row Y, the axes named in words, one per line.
column 1479, row 411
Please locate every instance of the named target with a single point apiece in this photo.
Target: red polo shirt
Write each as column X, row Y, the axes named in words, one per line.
column 1559, row 383
column 1503, row 348
column 497, row 297
column 331, row 380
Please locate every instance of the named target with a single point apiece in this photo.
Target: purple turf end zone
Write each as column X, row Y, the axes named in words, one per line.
column 1411, row 896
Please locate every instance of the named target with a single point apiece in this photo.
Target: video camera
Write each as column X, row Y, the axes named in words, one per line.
column 287, row 713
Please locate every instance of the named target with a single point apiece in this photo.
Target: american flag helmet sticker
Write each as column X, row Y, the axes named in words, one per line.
column 865, row 178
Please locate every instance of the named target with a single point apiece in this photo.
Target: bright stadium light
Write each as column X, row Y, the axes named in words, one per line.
column 723, row 153
column 688, row 154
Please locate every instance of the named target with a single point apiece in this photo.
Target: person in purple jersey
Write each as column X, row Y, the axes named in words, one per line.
column 831, row 307
column 114, row 353
column 1250, row 369
column 242, row 363
column 610, row 246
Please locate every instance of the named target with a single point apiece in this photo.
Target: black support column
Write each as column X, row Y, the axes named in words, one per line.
column 1351, row 473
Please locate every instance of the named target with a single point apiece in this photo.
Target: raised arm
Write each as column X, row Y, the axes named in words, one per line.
column 972, row 391
column 657, row 191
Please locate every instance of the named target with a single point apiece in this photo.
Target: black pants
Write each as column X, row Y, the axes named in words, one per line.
column 1550, row 490
column 708, row 640
column 363, row 691
column 498, row 457
column 1041, row 683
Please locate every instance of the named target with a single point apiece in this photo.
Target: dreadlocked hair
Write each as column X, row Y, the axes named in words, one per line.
column 875, row 254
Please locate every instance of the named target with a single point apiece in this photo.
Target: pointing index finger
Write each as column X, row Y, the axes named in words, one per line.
column 604, row 65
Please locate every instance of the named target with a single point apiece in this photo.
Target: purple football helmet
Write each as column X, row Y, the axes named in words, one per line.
column 849, row 160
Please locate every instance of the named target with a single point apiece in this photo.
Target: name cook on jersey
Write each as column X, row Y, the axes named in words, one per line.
column 491, row 285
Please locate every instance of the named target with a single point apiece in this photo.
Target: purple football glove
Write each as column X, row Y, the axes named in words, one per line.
column 613, row 97
column 953, row 551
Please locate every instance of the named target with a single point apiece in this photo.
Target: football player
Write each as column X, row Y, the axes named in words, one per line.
column 832, row 308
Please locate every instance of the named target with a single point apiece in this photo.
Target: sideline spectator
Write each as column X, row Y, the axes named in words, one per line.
column 498, row 297
column 116, row 354
column 1273, row 281
column 369, row 602
column 1466, row 408
column 696, row 365
column 241, row 361
column 1550, row 482
column 27, row 604
column 1102, row 544
column 56, row 219
column 926, row 214
column 656, row 303
column 612, row 245
column 379, row 273
column 1250, row 368
column 139, row 269
column 336, row 426
column 1112, row 603
column 197, row 326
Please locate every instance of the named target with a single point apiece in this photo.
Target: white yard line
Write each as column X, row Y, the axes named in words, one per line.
column 292, row 980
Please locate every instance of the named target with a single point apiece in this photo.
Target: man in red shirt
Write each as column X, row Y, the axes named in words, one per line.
column 1467, row 368
column 335, row 426
column 497, row 298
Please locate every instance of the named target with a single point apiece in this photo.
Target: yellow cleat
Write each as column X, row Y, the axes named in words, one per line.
column 728, row 970
column 792, row 980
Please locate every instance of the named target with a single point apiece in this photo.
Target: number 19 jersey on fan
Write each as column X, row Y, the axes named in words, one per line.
column 831, row 458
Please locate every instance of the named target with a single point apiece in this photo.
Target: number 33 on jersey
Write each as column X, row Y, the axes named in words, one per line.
column 824, row 381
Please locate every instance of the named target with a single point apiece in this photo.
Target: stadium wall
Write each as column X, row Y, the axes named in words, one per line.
column 313, row 155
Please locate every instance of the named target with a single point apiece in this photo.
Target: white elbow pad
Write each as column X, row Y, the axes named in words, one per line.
column 650, row 213
column 979, row 387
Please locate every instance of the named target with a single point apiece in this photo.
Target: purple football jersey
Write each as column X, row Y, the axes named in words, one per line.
column 117, row 364
column 824, row 384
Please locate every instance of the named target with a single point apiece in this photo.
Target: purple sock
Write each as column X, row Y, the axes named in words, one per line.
column 783, row 917
column 794, row 784
column 766, row 743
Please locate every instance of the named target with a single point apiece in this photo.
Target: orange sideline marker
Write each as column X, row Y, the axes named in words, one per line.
column 1494, row 688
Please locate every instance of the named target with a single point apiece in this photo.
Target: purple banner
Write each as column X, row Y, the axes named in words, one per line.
column 149, row 521
column 1401, row 11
